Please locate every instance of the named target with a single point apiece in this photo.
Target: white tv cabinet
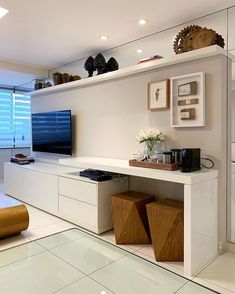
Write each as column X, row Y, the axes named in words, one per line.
column 61, row 191
column 200, row 204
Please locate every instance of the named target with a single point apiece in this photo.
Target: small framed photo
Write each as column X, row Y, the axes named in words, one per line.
column 159, row 95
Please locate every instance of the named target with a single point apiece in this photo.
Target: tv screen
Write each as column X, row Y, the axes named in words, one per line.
column 51, row 132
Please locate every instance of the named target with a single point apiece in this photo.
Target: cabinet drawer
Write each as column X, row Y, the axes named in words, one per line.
column 79, row 190
column 78, row 212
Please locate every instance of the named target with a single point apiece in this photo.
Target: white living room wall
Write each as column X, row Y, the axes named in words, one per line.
column 108, row 115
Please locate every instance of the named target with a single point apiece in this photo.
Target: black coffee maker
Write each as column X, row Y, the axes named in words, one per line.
column 191, row 159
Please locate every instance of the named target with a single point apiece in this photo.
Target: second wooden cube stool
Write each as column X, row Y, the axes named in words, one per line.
column 166, row 222
column 130, row 218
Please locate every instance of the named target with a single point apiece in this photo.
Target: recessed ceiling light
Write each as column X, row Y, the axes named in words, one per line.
column 142, row 21
column 103, row 38
column 139, row 51
column 3, row 11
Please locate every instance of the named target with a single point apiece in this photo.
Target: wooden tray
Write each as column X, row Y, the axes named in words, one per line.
column 154, row 165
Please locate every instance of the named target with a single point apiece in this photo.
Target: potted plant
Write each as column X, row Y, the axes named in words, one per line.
column 57, row 78
column 65, row 77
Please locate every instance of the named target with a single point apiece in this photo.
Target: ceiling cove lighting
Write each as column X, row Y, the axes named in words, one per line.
column 142, row 22
column 103, row 38
column 3, row 11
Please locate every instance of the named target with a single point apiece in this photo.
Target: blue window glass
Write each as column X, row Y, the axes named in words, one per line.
column 15, row 119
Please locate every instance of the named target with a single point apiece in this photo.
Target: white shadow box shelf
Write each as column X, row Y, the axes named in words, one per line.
column 188, row 101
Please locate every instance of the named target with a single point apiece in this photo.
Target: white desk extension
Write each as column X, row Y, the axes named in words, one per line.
column 200, row 205
column 122, row 166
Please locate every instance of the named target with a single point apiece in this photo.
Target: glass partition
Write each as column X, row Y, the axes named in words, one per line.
column 160, row 43
column 231, row 139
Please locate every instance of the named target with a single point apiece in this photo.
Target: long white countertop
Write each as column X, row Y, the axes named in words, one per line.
column 122, row 166
column 48, row 168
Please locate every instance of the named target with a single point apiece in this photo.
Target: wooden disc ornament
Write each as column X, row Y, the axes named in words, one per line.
column 195, row 37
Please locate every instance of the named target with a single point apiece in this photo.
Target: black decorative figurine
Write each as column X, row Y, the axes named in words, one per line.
column 112, row 64
column 100, row 64
column 89, row 66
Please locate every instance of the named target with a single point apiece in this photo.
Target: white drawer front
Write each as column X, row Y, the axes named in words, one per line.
column 78, row 212
column 79, row 190
column 33, row 187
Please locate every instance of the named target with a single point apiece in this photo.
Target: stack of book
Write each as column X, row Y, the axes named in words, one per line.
column 22, row 160
column 155, row 57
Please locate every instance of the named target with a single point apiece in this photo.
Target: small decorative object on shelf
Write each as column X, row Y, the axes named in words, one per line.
column 41, row 84
column 48, row 84
column 112, row 64
column 65, row 77
column 57, row 78
column 75, row 78
column 195, row 37
column 90, row 66
column 151, row 138
column 100, row 64
column 159, row 95
column 152, row 58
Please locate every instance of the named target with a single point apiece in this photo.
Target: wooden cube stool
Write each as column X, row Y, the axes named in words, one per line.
column 14, row 217
column 166, row 222
column 130, row 217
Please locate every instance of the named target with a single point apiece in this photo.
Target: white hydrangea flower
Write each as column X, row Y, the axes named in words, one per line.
column 150, row 135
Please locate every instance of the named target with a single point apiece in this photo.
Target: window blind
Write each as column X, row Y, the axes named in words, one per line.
column 15, row 122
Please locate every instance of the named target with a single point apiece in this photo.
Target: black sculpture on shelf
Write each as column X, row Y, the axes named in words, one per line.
column 112, row 64
column 100, row 64
column 90, row 66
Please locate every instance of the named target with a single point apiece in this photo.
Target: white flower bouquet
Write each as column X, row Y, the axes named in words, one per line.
column 150, row 137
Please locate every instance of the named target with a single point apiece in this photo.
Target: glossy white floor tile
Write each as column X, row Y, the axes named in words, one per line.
column 221, row 272
column 82, row 263
column 60, row 239
column 42, row 219
column 134, row 276
column 13, row 241
column 84, row 286
column 42, row 273
column 19, row 252
column 191, row 288
column 34, row 234
column 166, row 265
column 88, row 254
column 215, row 287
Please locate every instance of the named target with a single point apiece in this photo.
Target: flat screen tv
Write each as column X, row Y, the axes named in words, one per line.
column 52, row 132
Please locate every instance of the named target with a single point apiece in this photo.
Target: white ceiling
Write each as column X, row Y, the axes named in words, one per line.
column 48, row 33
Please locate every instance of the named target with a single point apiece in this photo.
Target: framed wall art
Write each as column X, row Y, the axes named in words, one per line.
column 188, row 100
column 159, row 95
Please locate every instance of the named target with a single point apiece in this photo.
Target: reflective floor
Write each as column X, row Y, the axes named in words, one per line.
column 76, row 262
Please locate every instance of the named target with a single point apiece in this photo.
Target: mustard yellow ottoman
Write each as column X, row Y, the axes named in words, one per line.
column 14, row 217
